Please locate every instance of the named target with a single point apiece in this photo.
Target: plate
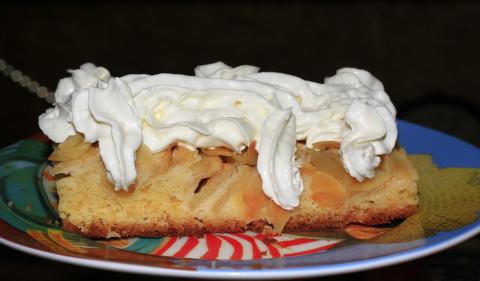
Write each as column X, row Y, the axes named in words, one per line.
column 29, row 223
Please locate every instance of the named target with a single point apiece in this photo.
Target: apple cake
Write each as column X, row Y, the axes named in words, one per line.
column 183, row 192
column 226, row 150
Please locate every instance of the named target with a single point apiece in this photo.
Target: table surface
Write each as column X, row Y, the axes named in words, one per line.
column 426, row 54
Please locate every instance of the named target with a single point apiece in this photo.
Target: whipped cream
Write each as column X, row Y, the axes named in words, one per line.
column 101, row 108
column 229, row 107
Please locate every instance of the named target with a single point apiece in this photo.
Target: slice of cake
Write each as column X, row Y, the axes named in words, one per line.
column 183, row 192
column 227, row 150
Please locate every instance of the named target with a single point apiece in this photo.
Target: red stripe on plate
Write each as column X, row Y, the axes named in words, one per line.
column 187, row 247
column 255, row 250
column 273, row 251
column 312, row 251
column 165, row 247
column 294, row 242
column 271, row 248
column 237, row 247
column 213, row 245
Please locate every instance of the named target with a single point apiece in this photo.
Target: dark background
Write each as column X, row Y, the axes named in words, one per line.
column 425, row 53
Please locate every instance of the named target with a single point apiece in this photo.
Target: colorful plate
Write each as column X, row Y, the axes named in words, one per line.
column 29, row 223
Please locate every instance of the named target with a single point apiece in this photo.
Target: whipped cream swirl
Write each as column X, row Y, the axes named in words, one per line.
column 229, row 107
column 101, row 108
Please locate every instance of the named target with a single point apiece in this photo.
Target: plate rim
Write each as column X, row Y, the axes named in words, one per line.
column 270, row 273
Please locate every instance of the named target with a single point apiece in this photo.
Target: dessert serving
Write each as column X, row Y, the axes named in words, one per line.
column 226, row 150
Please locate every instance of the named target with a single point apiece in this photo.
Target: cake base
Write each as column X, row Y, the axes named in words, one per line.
column 181, row 192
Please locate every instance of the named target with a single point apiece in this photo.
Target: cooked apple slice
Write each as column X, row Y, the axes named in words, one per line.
column 74, row 147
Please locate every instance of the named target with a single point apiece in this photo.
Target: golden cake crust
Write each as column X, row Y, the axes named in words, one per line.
column 297, row 224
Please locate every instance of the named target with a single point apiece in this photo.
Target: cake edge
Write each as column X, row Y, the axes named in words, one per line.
column 197, row 228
